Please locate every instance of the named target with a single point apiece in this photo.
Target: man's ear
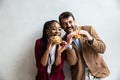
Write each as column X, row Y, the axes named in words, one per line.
column 75, row 21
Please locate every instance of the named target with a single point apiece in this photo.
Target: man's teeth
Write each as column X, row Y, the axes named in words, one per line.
column 69, row 28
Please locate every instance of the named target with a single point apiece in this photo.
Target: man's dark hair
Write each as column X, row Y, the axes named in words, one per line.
column 65, row 15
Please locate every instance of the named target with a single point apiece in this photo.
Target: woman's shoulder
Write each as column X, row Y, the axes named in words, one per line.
column 39, row 41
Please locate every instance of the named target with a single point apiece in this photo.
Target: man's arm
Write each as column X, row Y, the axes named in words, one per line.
column 71, row 56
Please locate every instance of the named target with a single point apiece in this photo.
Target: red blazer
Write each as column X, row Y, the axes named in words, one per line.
column 56, row 72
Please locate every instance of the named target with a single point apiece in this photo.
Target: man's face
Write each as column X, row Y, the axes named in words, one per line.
column 68, row 24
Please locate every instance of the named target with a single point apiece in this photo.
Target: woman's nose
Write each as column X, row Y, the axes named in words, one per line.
column 58, row 31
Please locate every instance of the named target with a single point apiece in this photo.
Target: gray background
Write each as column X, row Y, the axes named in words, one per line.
column 21, row 23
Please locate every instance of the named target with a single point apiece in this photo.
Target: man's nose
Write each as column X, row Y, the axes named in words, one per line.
column 68, row 24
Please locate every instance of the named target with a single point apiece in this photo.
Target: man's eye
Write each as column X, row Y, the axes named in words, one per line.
column 70, row 21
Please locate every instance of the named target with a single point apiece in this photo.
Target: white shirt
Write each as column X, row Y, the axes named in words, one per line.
column 51, row 58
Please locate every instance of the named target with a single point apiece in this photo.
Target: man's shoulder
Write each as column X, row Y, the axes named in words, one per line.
column 85, row 26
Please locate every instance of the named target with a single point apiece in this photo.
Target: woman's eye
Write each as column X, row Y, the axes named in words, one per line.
column 60, row 29
column 53, row 29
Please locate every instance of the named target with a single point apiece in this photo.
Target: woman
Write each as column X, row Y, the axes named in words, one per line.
column 49, row 55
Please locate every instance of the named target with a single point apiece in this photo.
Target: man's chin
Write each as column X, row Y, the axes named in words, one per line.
column 69, row 31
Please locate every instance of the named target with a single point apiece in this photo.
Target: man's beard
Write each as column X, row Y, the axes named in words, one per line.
column 71, row 28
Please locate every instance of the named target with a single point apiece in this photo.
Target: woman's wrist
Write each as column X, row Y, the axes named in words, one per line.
column 58, row 54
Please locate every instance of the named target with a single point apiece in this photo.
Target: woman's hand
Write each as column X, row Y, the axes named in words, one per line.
column 61, row 47
column 51, row 41
column 70, row 37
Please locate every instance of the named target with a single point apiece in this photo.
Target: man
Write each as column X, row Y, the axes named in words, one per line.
column 88, row 49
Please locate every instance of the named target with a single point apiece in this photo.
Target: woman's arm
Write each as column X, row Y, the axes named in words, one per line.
column 60, row 49
column 44, row 59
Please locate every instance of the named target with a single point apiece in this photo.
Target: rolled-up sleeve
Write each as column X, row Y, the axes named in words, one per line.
column 98, row 45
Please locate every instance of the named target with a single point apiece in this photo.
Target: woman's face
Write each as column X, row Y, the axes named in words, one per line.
column 54, row 30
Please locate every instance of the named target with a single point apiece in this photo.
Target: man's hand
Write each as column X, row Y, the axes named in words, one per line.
column 87, row 36
column 70, row 37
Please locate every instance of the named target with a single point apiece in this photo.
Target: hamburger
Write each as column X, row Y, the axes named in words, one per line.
column 57, row 40
column 78, row 36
